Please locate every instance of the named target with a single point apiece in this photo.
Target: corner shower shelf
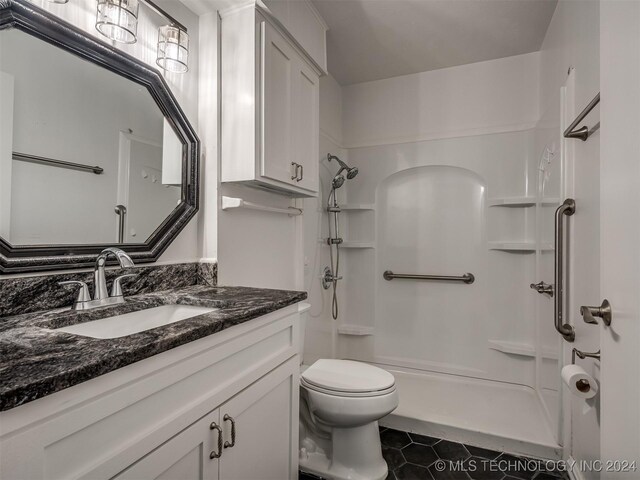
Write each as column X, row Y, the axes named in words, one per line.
column 520, row 202
column 356, row 330
column 521, row 349
column 518, row 246
column 357, row 245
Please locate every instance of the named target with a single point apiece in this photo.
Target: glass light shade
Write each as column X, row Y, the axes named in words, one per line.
column 118, row 19
column 173, row 49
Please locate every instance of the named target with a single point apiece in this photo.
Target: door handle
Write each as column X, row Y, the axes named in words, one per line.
column 218, row 454
column 233, row 431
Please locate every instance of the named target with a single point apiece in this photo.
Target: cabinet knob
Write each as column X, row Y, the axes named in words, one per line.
column 218, row 454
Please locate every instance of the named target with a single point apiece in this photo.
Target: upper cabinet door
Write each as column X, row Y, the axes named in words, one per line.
column 277, row 67
column 306, row 117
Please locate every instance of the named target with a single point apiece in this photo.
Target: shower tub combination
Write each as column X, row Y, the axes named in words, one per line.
column 472, row 349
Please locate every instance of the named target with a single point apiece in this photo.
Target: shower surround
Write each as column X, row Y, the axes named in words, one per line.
column 447, row 185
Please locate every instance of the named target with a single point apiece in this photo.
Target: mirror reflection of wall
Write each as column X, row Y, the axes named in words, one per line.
column 58, row 106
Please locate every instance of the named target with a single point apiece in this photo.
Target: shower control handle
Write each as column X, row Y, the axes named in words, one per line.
column 589, row 314
column 542, row 288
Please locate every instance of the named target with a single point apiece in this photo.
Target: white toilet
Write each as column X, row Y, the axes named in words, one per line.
column 341, row 402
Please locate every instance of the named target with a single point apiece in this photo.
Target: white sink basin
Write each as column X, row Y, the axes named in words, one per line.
column 134, row 322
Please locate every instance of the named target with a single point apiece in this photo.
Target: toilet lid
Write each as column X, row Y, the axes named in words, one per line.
column 347, row 376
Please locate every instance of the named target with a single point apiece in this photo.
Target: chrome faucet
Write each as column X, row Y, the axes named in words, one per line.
column 101, row 297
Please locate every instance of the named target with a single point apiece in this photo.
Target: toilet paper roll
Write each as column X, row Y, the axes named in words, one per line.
column 580, row 383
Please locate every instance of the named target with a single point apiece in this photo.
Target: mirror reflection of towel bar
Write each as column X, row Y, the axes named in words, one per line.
column 24, row 157
column 467, row 278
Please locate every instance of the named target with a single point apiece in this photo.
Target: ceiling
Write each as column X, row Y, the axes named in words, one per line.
column 375, row 39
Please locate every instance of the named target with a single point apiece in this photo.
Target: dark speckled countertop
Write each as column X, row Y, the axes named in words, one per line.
column 37, row 360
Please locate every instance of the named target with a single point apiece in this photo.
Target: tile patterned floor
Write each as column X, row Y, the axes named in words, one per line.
column 419, row 457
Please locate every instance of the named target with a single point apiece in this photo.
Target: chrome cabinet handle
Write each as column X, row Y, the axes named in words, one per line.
column 233, row 431
column 295, row 171
column 218, row 454
column 301, row 173
column 603, row 312
column 116, row 288
column 83, row 293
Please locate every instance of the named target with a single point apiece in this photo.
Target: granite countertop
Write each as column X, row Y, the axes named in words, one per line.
column 37, row 360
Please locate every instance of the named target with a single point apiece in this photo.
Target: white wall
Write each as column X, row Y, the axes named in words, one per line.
column 485, row 97
column 321, row 328
column 572, row 41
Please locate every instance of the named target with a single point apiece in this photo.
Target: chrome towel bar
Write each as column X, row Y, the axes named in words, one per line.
column 568, row 208
column 583, row 132
column 467, row 278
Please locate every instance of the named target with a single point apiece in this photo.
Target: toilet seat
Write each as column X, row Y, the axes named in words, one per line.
column 347, row 378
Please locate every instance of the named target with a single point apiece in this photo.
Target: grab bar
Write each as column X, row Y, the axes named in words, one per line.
column 567, row 208
column 467, row 278
column 583, row 132
column 121, row 211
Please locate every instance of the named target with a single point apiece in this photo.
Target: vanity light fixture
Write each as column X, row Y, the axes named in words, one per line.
column 173, row 49
column 118, row 20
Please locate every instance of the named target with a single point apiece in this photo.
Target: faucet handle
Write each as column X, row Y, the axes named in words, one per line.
column 116, row 288
column 83, row 293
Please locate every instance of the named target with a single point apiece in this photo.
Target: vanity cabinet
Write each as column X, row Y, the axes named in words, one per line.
column 270, row 105
column 258, row 419
column 163, row 417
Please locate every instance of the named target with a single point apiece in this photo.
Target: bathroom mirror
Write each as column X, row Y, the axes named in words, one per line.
column 94, row 149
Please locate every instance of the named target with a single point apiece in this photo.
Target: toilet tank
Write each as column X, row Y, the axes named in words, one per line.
column 303, row 310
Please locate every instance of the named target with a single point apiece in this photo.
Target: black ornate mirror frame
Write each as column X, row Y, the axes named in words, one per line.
column 24, row 16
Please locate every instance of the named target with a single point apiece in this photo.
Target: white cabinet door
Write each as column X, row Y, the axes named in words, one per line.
column 266, row 428
column 277, row 66
column 306, row 124
column 185, row 456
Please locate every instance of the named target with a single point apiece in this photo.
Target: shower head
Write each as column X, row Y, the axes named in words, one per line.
column 337, row 181
column 351, row 171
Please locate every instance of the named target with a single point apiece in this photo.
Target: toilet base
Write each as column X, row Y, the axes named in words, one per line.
column 356, row 455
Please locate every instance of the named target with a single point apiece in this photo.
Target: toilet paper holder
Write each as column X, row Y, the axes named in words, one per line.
column 582, row 355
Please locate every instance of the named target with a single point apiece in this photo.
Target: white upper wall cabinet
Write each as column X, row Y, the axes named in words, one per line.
column 270, row 104
column 306, row 26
